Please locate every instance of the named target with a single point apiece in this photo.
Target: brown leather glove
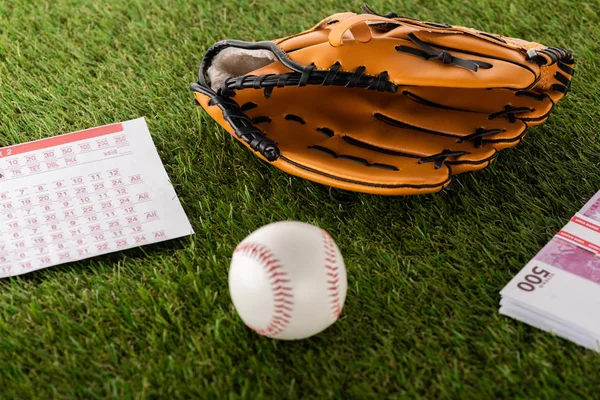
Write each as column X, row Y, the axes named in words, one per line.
column 382, row 104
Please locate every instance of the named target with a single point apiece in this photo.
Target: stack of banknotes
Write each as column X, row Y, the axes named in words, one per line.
column 559, row 290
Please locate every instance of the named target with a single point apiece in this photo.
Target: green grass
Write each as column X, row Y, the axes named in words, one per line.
column 421, row 317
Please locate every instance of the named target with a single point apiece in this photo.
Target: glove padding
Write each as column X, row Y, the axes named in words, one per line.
column 386, row 105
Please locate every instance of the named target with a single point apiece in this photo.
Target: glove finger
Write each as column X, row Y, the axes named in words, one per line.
column 363, row 136
column 403, row 67
column 336, row 162
column 349, row 109
column 488, row 102
column 449, row 57
column 306, row 153
column 316, row 139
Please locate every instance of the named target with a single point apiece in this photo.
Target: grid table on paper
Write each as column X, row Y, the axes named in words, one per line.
column 83, row 194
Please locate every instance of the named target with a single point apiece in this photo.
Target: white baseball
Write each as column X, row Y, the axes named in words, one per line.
column 288, row 281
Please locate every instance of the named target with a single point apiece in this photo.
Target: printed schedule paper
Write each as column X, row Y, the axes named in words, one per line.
column 83, row 194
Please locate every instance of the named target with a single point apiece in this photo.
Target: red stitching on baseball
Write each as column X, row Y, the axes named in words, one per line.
column 282, row 295
column 331, row 271
column 276, row 274
column 274, row 267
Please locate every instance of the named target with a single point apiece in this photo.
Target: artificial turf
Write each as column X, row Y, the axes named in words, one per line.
column 421, row 317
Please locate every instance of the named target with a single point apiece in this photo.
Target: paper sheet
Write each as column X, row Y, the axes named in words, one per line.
column 79, row 195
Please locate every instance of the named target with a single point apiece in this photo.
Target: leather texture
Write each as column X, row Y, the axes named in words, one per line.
column 459, row 97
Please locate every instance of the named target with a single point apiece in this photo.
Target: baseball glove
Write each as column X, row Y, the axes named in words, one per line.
column 382, row 104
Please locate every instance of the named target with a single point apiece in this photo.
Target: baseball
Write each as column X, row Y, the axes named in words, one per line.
column 288, row 281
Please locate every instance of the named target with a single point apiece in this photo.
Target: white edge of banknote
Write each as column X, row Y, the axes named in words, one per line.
column 551, row 326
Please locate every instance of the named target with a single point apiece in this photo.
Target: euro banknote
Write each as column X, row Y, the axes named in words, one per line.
column 559, row 289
